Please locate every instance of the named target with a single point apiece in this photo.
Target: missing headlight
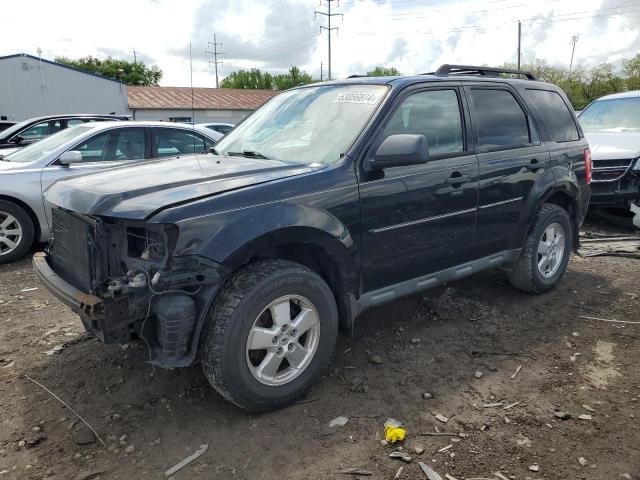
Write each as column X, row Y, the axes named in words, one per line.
column 146, row 243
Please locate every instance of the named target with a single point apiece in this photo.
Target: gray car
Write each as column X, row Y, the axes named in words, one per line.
column 25, row 217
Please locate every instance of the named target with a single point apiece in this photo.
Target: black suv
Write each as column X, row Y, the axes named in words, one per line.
column 34, row 129
column 330, row 199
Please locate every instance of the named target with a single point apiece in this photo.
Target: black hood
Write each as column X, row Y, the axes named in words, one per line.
column 137, row 192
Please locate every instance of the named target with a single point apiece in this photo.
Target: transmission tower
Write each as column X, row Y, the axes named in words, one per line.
column 329, row 28
column 215, row 54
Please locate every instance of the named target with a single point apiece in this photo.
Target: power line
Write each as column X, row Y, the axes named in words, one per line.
column 328, row 14
column 215, row 54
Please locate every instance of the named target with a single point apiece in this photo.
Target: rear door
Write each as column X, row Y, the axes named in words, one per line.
column 174, row 142
column 420, row 219
column 511, row 158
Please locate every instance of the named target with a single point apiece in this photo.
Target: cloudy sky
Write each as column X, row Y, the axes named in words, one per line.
column 413, row 35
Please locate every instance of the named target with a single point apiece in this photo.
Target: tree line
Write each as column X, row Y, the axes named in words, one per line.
column 582, row 85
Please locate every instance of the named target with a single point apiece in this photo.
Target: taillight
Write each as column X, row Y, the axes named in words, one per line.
column 588, row 165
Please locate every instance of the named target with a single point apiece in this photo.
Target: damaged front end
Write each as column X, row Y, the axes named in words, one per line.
column 123, row 279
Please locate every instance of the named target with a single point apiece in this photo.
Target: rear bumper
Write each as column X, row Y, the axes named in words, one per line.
column 80, row 302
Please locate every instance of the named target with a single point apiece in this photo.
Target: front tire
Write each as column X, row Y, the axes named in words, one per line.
column 16, row 232
column 269, row 335
column 545, row 253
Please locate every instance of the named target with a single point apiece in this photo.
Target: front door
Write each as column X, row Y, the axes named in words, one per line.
column 420, row 219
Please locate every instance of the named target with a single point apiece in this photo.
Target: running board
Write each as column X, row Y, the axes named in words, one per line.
column 408, row 287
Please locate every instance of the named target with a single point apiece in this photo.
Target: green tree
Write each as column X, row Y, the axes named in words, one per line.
column 131, row 73
column 603, row 80
column 384, row 72
column 257, row 80
column 631, row 71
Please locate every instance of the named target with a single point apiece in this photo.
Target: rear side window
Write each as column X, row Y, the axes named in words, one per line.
column 554, row 113
column 173, row 142
column 500, row 121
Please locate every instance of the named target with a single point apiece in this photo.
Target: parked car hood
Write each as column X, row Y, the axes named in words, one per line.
column 136, row 192
column 6, row 151
column 614, row 145
column 7, row 167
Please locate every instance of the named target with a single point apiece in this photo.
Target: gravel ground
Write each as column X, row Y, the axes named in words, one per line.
column 502, row 366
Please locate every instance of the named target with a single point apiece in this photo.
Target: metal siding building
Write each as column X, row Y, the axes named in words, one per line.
column 200, row 105
column 30, row 87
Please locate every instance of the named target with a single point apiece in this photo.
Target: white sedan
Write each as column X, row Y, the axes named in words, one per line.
column 24, row 215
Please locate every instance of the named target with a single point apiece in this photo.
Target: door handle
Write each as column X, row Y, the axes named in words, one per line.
column 457, row 179
column 534, row 165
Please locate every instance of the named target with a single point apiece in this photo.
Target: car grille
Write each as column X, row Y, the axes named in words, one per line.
column 71, row 250
column 610, row 170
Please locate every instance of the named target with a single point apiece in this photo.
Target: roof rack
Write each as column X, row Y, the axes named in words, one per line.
column 446, row 70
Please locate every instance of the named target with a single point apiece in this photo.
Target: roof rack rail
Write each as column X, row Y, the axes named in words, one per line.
column 446, row 70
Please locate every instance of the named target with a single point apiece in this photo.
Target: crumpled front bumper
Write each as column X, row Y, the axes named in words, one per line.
column 80, row 302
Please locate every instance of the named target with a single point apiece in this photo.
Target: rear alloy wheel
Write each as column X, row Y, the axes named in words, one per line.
column 551, row 250
column 545, row 253
column 269, row 334
column 16, row 232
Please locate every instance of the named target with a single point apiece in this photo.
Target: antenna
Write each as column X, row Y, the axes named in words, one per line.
column 193, row 115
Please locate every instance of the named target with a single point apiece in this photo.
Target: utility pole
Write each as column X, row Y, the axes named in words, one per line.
column 215, row 54
column 321, row 74
column 519, row 42
column 328, row 14
column 574, row 40
column 135, row 59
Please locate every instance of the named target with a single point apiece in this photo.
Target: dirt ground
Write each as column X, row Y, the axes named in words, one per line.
column 432, row 343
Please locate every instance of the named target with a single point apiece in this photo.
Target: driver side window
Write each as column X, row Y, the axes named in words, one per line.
column 434, row 114
column 119, row 144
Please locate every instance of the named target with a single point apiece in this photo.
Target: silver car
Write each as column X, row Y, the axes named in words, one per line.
column 25, row 217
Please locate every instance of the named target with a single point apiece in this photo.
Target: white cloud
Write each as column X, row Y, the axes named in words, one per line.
column 412, row 35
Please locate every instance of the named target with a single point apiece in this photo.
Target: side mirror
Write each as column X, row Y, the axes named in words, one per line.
column 401, row 150
column 17, row 140
column 72, row 156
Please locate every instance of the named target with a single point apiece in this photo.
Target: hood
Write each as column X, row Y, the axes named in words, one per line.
column 18, row 167
column 613, row 145
column 137, row 192
column 6, row 151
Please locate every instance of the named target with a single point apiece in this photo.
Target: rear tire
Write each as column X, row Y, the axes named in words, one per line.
column 269, row 335
column 16, row 232
column 545, row 253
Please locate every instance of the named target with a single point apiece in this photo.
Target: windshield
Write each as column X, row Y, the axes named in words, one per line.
column 307, row 125
column 37, row 150
column 617, row 114
column 8, row 133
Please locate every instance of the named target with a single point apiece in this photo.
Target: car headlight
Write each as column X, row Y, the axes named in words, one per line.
column 636, row 166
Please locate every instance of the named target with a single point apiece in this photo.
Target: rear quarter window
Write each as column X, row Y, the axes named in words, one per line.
column 554, row 112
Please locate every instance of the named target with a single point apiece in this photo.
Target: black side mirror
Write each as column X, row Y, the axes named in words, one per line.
column 401, row 150
column 17, row 140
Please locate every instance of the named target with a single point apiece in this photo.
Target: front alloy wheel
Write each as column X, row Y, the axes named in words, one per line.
column 269, row 335
column 16, row 232
column 283, row 340
column 10, row 233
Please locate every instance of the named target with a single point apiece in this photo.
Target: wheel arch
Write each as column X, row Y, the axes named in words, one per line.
column 564, row 196
column 326, row 255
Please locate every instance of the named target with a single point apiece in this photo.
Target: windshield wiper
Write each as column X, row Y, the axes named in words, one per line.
column 249, row 154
